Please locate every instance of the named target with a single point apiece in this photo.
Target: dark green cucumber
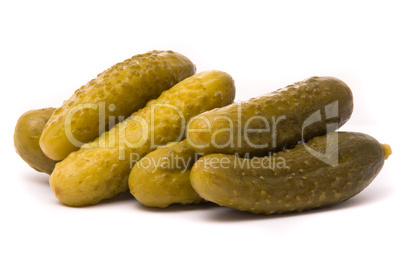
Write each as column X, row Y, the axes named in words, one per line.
column 274, row 121
column 325, row 171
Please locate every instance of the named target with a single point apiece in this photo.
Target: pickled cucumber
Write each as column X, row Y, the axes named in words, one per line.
column 162, row 177
column 274, row 121
column 26, row 139
column 112, row 95
column 293, row 180
column 100, row 169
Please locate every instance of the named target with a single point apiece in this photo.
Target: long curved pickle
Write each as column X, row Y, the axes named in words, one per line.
column 100, row 169
column 325, row 171
column 162, row 177
column 275, row 121
column 27, row 132
column 114, row 94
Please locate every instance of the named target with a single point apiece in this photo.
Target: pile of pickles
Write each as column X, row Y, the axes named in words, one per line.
column 153, row 125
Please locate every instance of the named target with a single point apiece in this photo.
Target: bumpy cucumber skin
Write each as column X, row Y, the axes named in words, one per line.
column 127, row 86
column 27, row 132
column 161, row 178
column 95, row 172
column 296, row 102
column 304, row 183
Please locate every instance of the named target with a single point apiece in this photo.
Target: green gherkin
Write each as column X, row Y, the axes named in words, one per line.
column 275, row 121
column 100, row 169
column 28, row 129
column 114, row 93
column 162, row 177
column 325, row 171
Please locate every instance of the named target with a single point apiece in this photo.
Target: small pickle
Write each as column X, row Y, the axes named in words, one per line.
column 162, row 177
column 275, row 121
column 114, row 94
column 325, row 171
column 26, row 139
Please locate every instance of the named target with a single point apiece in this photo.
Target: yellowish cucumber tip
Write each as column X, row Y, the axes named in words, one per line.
column 387, row 150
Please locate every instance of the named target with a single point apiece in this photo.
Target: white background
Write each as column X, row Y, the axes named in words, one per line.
column 48, row 49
